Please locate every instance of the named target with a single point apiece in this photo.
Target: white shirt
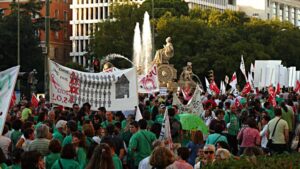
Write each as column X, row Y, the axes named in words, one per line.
column 145, row 163
column 264, row 139
column 4, row 144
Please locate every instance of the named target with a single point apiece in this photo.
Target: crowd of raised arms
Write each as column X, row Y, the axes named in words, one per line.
column 56, row 137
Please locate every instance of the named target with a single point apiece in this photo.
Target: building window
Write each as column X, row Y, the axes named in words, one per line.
column 268, row 3
column 56, row 35
column 56, row 13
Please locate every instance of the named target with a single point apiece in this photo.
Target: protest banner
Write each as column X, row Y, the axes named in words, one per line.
column 194, row 106
column 149, row 83
column 115, row 90
column 8, row 80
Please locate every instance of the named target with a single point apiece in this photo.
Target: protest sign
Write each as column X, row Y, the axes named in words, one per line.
column 114, row 90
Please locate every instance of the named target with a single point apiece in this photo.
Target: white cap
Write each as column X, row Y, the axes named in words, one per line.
column 61, row 124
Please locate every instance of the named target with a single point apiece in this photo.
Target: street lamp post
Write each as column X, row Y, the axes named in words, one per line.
column 18, row 43
column 47, row 27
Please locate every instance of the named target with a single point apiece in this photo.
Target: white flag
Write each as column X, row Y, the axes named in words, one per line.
column 226, row 79
column 252, row 68
column 165, row 133
column 242, row 67
column 233, row 81
column 250, row 80
column 138, row 114
column 222, row 88
column 8, row 80
column 207, row 86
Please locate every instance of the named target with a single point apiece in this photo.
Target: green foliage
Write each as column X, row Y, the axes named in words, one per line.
column 117, row 36
column 175, row 7
column 263, row 162
column 208, row 38
column 75, row 66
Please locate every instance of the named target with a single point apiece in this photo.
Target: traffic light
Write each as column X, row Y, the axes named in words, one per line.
column 211, row 76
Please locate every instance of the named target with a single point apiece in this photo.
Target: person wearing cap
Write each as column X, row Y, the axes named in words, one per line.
column 60, row 133
column 71, row 127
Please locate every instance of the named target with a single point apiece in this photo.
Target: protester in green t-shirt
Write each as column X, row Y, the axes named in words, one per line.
column 54, row 148
column 71, row 127
column 109, row 119
column 78, row 140
column 66, row 160
column 60, row 130
column 140, row 143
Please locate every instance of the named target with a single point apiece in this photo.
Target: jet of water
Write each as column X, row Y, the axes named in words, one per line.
column 147, row 42
column 137, row 46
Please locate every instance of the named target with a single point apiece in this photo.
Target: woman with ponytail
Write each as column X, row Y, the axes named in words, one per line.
column 102, row 158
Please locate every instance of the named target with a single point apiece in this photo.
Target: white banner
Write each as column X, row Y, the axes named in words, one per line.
column 265, row 72
column 116, row 90
column 194, row 105
column 7, row 84
column 149, row 83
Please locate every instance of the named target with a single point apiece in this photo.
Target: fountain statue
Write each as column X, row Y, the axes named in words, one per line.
column 163, row 55
column 186, row 81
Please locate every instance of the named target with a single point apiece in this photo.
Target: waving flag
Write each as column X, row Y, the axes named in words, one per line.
column 278, row 88
column 213, row 86
column 226, row 79
column 165, row 133
column 246, row 89
column 297, row 88
column 207, row 86
column 242, row 67
column 34, row 101
column 252, row 68
column 8, row 80
column 233, row 81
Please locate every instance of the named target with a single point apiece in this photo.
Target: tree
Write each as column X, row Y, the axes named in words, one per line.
column 116, row 36
column 175, row 7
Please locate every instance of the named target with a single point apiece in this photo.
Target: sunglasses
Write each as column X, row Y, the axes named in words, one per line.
column 210, row 152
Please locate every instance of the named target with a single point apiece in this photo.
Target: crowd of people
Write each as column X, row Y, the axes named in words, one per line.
column 57, row 137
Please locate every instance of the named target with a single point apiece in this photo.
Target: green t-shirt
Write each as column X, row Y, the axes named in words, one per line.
column 3, row 166
column 66, row 163
column 106, row 123
column 81, row 158
column 123, row 124
column 288, row 117
column 140, row 145
column 50, row 159
column 159, row 118
column 234, row 123
column 15, row 136
column 67, row 140
column 57, row 135
column 214, row 138
column 117, row 162
column 270, row 112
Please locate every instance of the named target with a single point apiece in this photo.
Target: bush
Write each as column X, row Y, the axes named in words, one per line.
column 283, row 161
